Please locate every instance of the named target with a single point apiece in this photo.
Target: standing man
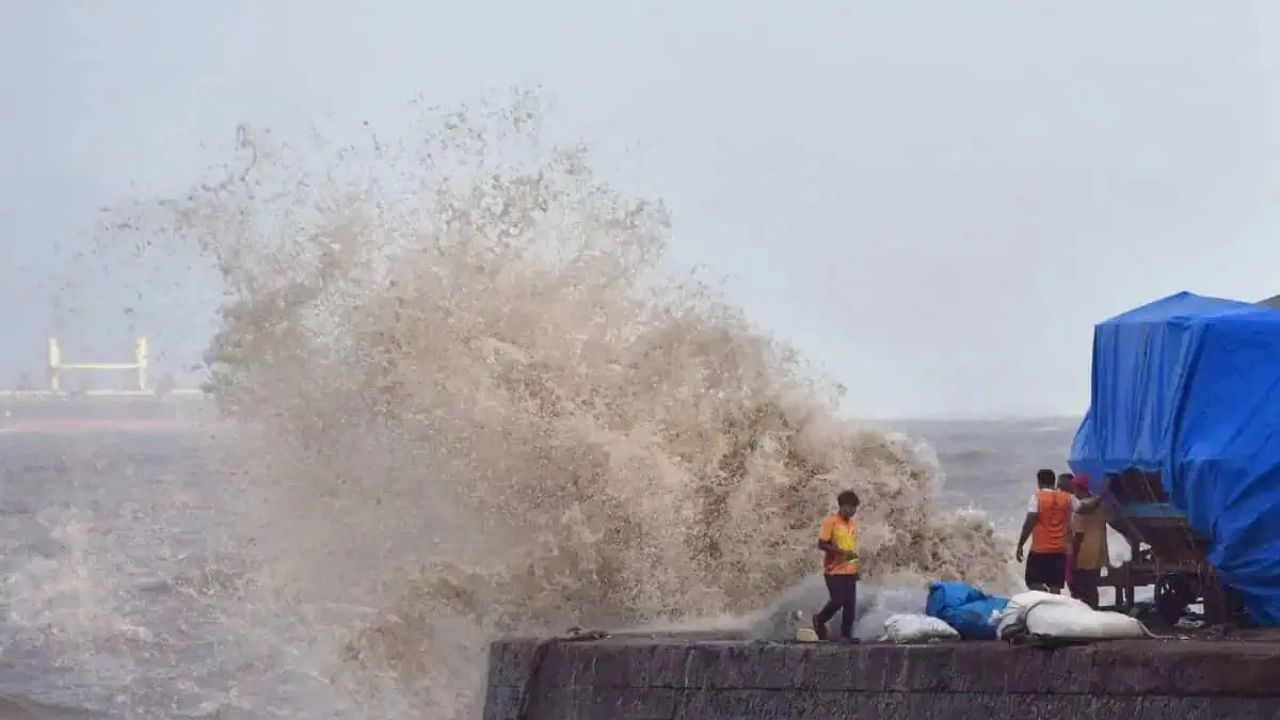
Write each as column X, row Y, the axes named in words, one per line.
column 1090, row 553
column 838, row 540
column 1067, row 485
column 1047, row 525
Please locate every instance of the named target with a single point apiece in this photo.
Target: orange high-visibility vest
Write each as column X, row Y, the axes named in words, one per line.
column 1050, row 532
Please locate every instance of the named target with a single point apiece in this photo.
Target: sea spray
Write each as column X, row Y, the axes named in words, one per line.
column 469, row 404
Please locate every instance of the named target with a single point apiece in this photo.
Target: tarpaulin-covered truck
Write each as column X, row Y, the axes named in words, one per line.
column 1182, row 438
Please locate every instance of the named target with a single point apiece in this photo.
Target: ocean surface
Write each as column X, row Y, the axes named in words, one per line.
column 121, row 596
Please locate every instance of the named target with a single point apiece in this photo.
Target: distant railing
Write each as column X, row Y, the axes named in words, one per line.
column 101, row 394
column 56, row 368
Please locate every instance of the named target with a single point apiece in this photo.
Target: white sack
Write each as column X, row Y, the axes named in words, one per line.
column 918, row 629
column 1057, row 616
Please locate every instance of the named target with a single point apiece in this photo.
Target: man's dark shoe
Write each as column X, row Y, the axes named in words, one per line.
column 819, row 629
column 846, row 640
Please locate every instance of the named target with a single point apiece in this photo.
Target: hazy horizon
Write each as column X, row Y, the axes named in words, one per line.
column 934, row 203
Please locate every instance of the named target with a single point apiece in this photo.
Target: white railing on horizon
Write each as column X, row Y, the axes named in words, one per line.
column 56, row 366
column 99, row 394
column 140, row 366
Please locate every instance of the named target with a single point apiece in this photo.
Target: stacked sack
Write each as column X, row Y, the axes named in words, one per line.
column 1044, row 615
column 956, row 610
column 953, row 611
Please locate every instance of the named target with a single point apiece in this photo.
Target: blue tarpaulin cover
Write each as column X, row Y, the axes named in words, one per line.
column 1189, row 387
column 965, row 608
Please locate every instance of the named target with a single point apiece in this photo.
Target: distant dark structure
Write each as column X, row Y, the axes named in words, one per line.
column 1271, row 302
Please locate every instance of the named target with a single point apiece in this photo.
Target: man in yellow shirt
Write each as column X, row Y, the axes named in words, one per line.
column 1090, row 552
column 838, row 540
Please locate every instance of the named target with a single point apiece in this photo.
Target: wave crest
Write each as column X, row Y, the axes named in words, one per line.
column 477, row 407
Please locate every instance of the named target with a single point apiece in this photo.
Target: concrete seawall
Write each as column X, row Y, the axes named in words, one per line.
column 676, row 679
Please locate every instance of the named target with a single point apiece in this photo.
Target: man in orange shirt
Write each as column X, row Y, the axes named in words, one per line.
column 838, row 540
column 1048, row 526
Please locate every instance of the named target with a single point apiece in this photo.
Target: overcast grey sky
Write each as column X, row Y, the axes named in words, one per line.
column 934, row 200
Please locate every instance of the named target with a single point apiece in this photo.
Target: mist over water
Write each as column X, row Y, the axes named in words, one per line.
column 466, row 402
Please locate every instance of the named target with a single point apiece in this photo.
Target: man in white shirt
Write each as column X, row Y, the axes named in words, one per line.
column 1048, row 526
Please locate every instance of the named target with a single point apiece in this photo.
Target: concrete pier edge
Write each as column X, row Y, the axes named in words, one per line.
column 678, row 679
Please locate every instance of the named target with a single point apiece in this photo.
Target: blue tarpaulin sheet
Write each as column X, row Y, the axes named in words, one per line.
column 1189, row 387
column 965, row 608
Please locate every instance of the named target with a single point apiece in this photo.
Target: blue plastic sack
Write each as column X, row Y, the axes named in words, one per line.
column 965, row 608
column 944, row 595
